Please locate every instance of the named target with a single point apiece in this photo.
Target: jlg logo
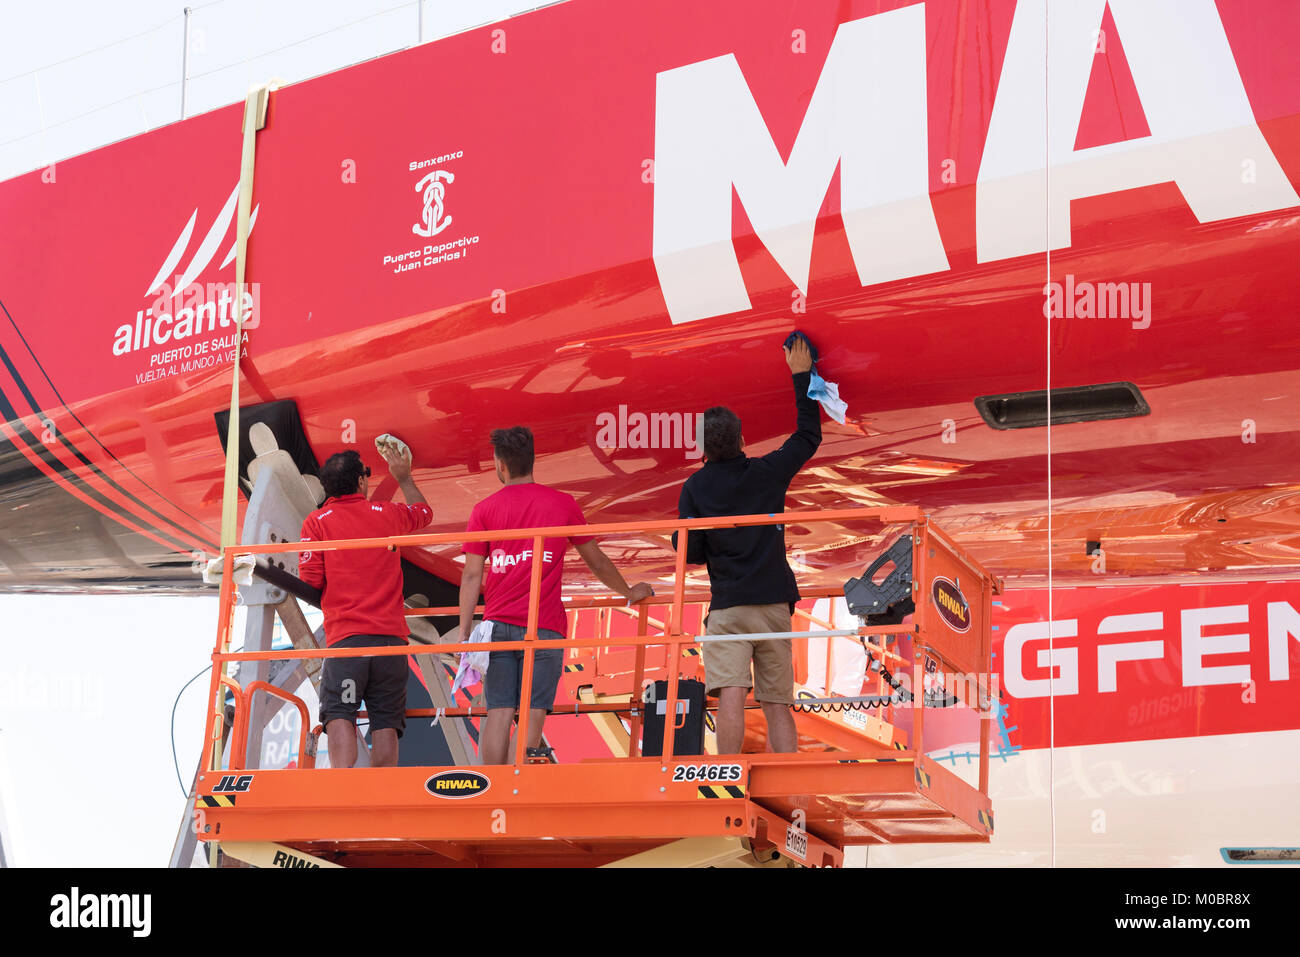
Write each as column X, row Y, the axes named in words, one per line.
column 233, row 783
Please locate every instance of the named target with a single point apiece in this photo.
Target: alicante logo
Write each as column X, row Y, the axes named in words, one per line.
column 457, row 784
column 951, row 604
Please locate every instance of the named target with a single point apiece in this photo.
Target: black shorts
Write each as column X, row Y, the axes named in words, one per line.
column 379, row 682
column 505, row 674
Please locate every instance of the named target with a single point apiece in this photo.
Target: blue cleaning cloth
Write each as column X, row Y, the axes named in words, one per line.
column 795, row 336
column 827, row 393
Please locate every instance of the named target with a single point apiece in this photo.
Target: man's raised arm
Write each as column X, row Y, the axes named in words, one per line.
column 399, row 466
column 800, row 446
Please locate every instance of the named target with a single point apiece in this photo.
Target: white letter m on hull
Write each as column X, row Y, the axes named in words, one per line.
column 867, row 115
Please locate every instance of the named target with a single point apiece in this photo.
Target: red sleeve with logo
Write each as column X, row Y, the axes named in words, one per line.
column 311, row 565
column 408, row 518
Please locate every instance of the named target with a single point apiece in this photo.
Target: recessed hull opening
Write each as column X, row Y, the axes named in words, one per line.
column 1086, row 403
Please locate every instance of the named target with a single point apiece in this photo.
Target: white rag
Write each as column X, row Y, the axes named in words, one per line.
column 389, row 442
column 828, row 394
column 242, row 573
column 473, row 664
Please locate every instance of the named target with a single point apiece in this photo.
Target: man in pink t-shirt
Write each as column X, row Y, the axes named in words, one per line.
column 523, row 503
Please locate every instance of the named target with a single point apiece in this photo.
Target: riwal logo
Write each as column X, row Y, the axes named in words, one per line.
column 457, row 784
column 203, row 309
column 951, row 604
column 867, row 117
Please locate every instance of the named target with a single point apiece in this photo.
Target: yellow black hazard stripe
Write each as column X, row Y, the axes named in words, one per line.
column 691, row 653
column 721, row 791
column 986, row 818
column 216, row 800
column 898, row 746
column 868, row 760
column 923, row 778
column 578, row 667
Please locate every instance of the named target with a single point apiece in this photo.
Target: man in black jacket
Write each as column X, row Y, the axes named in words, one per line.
column 753, row 588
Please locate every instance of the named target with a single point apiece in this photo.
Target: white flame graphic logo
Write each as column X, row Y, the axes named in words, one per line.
column 206, row 251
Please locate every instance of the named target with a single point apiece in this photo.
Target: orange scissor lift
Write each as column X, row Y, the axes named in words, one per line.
column 858, row 778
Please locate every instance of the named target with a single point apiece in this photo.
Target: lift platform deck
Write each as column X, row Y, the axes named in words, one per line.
column 867, row 781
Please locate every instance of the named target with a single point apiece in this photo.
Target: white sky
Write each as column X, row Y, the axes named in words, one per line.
column 87, row 682
column 67, row 85
column 86, row 690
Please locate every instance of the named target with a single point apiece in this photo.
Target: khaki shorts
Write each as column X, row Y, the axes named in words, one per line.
column 727, row 663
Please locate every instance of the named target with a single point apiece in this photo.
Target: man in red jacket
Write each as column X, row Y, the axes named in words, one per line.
column 362, row 600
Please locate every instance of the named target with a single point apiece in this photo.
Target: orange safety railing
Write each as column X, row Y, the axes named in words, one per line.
column 933, row 552
column 217, row 714
column 241, row 727
column 617, row 668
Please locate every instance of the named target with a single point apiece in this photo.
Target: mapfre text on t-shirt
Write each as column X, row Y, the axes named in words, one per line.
column 508, row 565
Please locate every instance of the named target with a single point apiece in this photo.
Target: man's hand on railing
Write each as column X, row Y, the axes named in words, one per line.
column 639, row 592
column 610, row 576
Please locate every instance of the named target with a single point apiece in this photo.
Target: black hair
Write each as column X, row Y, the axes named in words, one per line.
column 342, row 472
column 514, row 447
column 721, row 434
